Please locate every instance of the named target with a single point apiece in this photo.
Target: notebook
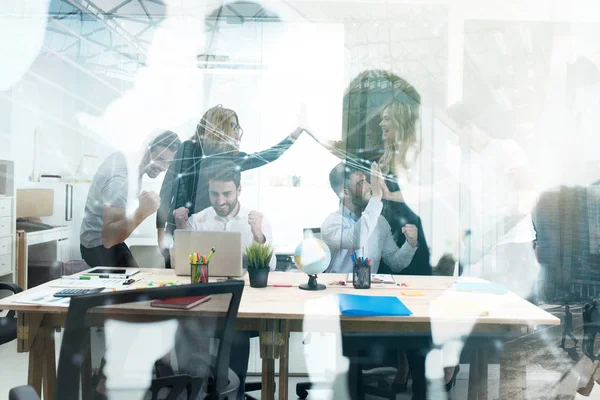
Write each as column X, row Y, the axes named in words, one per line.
column 369, row 306
column 181, row 303
column 481, row 287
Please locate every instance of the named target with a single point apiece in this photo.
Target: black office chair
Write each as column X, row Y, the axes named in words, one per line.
column 209, row 322
column 8, row 324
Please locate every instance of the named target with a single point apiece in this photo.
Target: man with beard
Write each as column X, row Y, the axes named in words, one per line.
column 358, row 224
column 106, row 225
column 226, row 212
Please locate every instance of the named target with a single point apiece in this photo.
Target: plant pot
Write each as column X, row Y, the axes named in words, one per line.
column 258, row 277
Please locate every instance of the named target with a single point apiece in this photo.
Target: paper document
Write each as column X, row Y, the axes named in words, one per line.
column 45, row 299
column 89, row 283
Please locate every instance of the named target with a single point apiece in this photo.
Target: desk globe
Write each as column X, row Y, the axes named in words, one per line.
column 312, row 257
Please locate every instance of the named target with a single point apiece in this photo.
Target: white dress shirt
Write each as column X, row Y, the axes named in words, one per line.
column 208, row 220
column 370, row 234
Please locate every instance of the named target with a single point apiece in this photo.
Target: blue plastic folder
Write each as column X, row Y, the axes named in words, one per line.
column 481, row 287
column 372, row 306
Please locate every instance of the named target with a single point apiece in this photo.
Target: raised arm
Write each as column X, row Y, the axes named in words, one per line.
column 338, row 235
column 117, row 226
column 166, row 195
column 264, row 157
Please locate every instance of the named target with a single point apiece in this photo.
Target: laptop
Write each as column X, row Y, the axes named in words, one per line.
column 227, row 260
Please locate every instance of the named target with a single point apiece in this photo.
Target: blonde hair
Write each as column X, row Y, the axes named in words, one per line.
column 396, row 149
column 214, row 131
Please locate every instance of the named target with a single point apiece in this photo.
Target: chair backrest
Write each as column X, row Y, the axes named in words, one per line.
column 131, row 343
column 316, row 232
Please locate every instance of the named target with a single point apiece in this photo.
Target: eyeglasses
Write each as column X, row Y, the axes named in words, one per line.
column 237, row 127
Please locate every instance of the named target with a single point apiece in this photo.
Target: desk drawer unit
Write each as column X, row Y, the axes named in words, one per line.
column 5, row 245
column 5, row 207
column 5, row 225
column 5, row 264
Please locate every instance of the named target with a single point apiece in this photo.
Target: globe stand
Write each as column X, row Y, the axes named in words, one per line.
column 312, row 284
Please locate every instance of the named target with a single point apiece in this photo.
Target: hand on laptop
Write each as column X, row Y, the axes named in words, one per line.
column 181, row 217
column 255, row 219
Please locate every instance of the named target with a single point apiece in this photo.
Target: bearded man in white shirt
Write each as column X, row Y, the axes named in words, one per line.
column 358, row 224
column 226, row 212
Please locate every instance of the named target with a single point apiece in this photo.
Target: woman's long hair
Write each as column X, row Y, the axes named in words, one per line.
column 396, row 155
column 214, row 132
column 371, row 92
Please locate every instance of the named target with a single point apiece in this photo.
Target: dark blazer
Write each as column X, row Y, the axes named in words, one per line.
column 398, row 215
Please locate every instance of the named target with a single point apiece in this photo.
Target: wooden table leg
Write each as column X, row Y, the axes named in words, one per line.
column 36, row 359
column 49, row 366
column 482, row 365
column 474, row 376
column 284, row 352
column 267, row 388
column 268, row 353
column 30, row 337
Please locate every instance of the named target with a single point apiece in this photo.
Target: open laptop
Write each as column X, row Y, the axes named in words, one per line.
column 227, row 260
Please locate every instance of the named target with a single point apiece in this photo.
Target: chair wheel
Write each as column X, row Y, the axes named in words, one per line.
column 301, row 393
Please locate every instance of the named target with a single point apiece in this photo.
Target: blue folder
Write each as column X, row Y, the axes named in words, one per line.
column 481, row 287
column 370, row 306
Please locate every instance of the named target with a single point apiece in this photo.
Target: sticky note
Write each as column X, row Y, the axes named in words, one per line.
column 412, row 293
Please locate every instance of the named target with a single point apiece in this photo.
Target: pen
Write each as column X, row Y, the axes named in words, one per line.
column 212, row 251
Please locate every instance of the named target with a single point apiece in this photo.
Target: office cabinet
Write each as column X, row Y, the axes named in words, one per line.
column 7, row 220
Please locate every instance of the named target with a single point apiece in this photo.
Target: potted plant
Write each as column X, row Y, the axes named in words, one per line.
column 258, row 256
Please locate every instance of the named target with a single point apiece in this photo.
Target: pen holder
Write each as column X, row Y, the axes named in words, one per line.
column 199, row 273
column 361, row 277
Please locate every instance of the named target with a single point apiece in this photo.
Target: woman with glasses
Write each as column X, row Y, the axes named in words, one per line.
column 217, row 138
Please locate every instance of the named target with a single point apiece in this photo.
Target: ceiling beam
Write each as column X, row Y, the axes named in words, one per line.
column 87, row 34
column 145, row 9
column 69, row 32
column 60, row 15
column 112, row 10
column 90, row 8
column 128, row 18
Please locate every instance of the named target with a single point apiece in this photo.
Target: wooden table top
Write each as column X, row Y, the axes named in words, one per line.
column 437, row 300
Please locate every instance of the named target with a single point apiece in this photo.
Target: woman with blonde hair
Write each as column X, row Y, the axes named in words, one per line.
column 399, row 135
column 217, row 138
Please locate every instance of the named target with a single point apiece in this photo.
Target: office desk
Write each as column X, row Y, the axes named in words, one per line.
column 44, row 245
column 277, row 311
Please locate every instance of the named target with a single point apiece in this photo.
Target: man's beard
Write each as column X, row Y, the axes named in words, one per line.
column 359, row 202
column 230, row 208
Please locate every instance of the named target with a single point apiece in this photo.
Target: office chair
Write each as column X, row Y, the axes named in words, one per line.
column 214, row 323
column 8, row 324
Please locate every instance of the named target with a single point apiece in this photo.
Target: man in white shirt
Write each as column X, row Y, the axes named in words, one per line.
column 358, row 224
column 226, row 212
